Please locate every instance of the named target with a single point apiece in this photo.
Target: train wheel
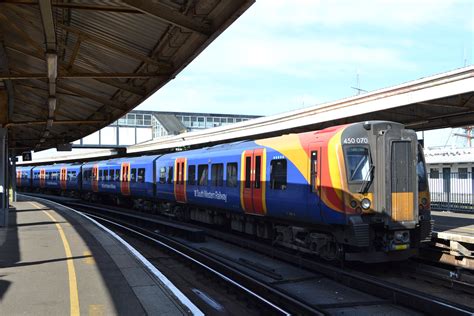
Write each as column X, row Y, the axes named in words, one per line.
column 331, row 251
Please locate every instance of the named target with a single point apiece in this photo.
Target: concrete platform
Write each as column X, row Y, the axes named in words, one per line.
column 56, row 262
column 454, row 234
column 461, row 224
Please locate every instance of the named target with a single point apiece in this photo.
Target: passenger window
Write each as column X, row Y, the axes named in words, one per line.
column 217, row 175
column 133, row 175
column 258, row 170
column 192, row 175
column 141, row 175
column 106, row 175
column 112, row 175
column 314, row 171
column 278, row 171
column 202, row 174
column 162, row 179
column 231, row 180
column 170, row 175
column 101, row 175
column 248, row 173
column 117, row 175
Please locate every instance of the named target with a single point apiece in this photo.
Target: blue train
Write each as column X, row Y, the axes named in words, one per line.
column 356, row 191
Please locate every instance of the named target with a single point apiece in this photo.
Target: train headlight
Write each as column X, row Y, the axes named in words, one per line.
column 424, row 201
column 401, row 236
column 365, row 203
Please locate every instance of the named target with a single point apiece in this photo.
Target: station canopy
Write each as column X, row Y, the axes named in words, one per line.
column 69, row 68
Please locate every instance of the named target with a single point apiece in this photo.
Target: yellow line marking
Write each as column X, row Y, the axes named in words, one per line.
column 73, row 293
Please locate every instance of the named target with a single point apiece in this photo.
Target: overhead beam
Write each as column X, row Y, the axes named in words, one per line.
column 4, row 67
column 51, row 62
column 165, row 66
column 74, row 52
column 168, row 15
column 81, row 75
column 57, row 122
column 442, row 105
column 91, row 96
column 108, row 81
column 78, row 6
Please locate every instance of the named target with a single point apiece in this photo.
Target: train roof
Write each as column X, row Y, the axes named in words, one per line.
column 118, row 161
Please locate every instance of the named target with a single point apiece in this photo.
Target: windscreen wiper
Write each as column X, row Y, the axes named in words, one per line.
column 367, row 182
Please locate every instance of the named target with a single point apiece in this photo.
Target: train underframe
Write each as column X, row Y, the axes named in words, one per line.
column 361, row 240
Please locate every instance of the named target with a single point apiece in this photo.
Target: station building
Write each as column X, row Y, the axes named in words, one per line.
column 450, row 177
column 140, row 126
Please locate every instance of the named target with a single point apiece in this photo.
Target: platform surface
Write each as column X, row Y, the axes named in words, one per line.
column 454, row 224
column 54, row 262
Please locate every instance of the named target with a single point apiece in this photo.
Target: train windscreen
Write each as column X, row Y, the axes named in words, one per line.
column 358, row 163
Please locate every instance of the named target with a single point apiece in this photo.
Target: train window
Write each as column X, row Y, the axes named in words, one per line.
column 217, row 175
column 314, row 171
column 258, row 170
column 162, row 179
column 192, row 175
column 112, row 175
column 106, row 175
column 181, row 173
column 170, row 175
column 358, row 163
column 434, row 173
column 202, row 174
column 141, row 175
column 421, row 171
column 133, row 175
column 101, row 175
column 117, row 175
column 248, row 171
column 73, row 175
column 278, row 171
column 231, row 180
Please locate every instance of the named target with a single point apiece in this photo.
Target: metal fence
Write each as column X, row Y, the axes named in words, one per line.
column 452, row 191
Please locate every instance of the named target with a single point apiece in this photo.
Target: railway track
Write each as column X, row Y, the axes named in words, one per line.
column 353, row 291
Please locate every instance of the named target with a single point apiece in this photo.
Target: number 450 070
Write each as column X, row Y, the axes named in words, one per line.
column 358, row 140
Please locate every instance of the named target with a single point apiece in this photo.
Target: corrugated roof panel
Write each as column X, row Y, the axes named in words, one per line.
column 96, row 80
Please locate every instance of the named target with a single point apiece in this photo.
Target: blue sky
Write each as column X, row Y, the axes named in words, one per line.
column 287, row 54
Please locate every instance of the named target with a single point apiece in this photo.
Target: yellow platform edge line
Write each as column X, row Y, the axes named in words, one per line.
column 73, row 292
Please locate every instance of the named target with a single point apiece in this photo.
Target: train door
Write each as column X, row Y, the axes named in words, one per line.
column 253, row 181
column 63, row 178
column 180, row 179
column 125, row 178
column 95, row 178
column 42, row 178
column 314, row 201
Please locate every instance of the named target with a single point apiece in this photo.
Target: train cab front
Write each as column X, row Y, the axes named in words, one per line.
column 382, row 203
